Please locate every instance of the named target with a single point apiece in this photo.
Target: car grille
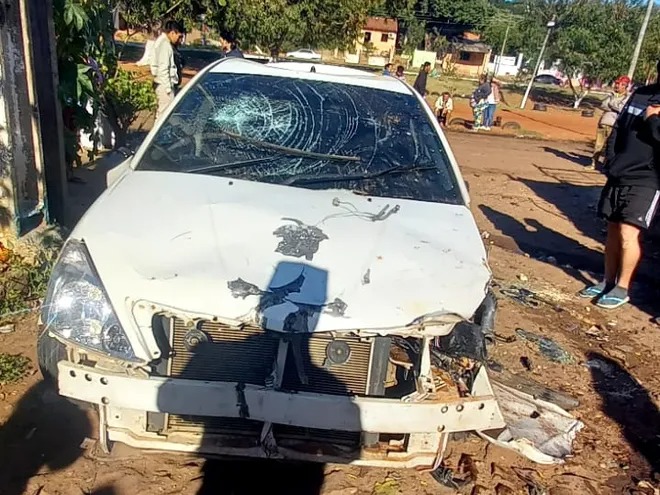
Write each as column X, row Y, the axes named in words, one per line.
column 246, row 354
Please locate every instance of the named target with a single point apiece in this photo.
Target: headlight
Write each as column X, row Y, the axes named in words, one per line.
column 78, row 309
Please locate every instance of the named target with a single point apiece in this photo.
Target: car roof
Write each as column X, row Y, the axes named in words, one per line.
column 303, row 70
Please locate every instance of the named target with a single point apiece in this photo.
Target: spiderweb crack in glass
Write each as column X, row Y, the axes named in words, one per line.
column 381, row 129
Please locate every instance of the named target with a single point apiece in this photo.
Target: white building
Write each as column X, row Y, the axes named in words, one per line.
column 505, row 66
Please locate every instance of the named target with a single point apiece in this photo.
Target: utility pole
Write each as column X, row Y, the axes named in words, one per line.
column 506, row 37
column 549, row 25
column 640, row 39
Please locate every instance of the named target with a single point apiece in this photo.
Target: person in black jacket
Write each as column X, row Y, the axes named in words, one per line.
column 631, row 195
column 420, row 82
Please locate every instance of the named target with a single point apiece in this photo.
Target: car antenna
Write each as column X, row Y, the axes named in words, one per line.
column 313, row 69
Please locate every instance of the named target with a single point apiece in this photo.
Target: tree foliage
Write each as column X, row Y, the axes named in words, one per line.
column 594, row 38
column 90, row 82
column 280, row 24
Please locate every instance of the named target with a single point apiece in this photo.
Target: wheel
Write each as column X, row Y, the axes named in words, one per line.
column 514, row 126
column 49, row 352
column 457, row 121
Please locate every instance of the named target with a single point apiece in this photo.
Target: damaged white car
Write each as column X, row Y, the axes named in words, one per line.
column 286, row 268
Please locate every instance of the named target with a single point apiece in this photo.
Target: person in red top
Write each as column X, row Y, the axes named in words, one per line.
column 612, row 105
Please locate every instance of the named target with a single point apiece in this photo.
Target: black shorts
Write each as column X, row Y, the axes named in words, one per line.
column 634, row 205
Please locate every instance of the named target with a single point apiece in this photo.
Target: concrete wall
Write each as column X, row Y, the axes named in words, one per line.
column 421, row 56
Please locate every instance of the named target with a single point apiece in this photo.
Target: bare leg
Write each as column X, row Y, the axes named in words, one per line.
column 613, row 252
column 631, row 254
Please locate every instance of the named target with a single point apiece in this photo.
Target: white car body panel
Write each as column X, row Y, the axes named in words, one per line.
column 179, row 240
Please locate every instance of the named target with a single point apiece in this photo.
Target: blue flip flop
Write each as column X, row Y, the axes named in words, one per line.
column 608, row 301
column 591, row 292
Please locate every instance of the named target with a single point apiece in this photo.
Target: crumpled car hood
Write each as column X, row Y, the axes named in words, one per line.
column 287, row 258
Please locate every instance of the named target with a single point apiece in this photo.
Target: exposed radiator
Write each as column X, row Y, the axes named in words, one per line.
column 214, row 351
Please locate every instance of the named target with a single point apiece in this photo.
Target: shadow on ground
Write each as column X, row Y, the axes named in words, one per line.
column 576, row 158
column 247, row 477
column 629, row 404
column 45, row 431
column 578, row 204
column 538, row 241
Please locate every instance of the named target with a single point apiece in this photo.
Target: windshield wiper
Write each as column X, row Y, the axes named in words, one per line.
column 345, row 178
column 285, row 150
column 228, row 166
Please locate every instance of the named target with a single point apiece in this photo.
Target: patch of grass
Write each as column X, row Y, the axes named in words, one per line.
column 13, row 367
column 389, row 486
column 23, row 281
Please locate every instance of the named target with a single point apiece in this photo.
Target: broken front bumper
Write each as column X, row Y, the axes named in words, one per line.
column 127, row 402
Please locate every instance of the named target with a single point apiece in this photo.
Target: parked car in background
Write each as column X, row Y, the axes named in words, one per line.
column 287, row 268
column 548, row 79
column 304, row 54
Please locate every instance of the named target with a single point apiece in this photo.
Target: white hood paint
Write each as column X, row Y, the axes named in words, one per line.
column 180, row 240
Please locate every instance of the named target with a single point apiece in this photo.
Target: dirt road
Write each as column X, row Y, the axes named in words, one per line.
column 535, row 201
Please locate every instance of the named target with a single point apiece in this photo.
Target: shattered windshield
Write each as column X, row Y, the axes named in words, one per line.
column 305, row 133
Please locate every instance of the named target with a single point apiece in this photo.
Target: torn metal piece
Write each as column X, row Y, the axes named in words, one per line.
column 538, row 430
column 299, row 240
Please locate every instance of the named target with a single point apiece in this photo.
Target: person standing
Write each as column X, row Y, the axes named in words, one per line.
column 493, row 100
column 387, row 70
column 163, row 65
column 631, row 196
column 612, row 105
column 235, row 50
column 400, row 73
column 479, row 102
column 420, row 82
column 231, row 46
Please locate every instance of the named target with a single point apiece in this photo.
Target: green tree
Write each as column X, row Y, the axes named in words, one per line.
column 89, row 75
column 650, row 54
column 593, row 38
column 279, row 24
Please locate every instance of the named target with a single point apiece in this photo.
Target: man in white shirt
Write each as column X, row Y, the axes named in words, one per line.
column 163, row 65
column 444, row 106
